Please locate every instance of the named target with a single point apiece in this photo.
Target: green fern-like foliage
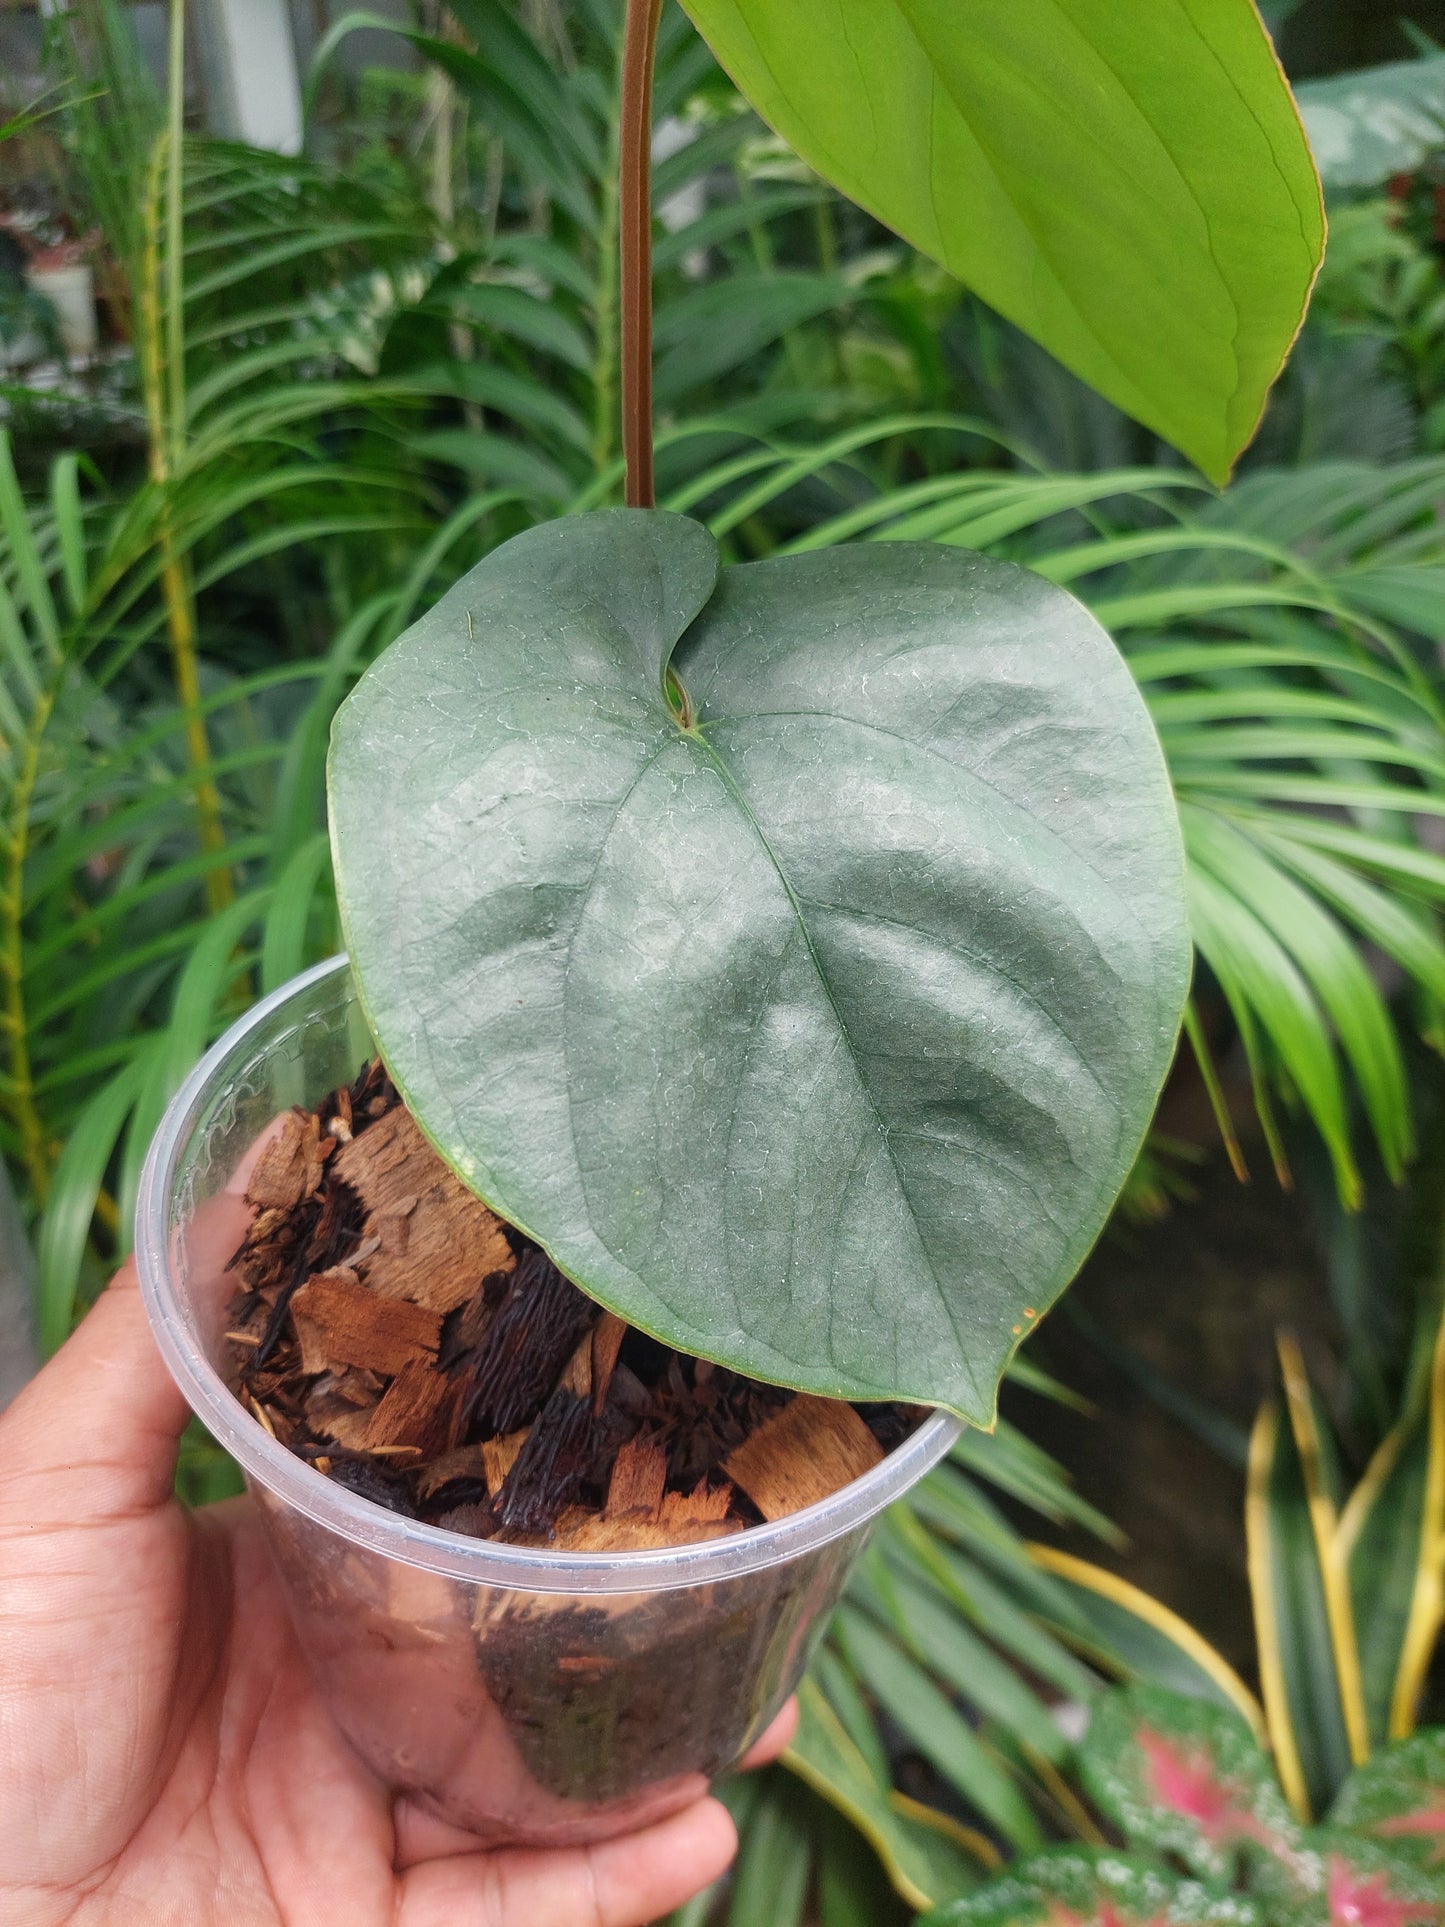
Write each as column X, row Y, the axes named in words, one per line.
column 359, row 391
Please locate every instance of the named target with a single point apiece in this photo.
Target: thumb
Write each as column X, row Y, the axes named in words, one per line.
column 94, row 1435
column 624, row 1882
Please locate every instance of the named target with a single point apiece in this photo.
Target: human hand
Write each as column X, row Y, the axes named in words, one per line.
column 164, row 1760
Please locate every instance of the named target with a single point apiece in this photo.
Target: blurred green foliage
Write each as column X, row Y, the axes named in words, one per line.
column 331, row 383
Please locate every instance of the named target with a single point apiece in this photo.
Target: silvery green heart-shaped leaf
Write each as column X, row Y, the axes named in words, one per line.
column 796, row 952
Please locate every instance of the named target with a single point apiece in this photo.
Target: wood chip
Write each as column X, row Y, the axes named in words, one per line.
column 500, row 1455
column 639, row 1478
column 675, row 1519
column 346, row 1427
column 316, row 1352
column 607, row 1336
column 435, row 1240
column 271, row 1220
column 345, row 1391
column 289, row 1169
column 466, row 1462
column 579, row 1530
column 806, row 1452
column 539, row 1324
column 416, row 1410
column 705, row 1505
column 467, row 1328
column 358, row 1327
column 577, row 1374
column 422, row 1356
column 555, row 1464
column 335, row 1402
column 359, row 1386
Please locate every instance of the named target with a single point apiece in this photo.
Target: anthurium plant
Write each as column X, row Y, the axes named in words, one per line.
column 795, row 950
column 1209, row 1837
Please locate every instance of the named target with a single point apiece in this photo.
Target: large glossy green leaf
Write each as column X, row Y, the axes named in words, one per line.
column 811, row 1019
column 1131, row 184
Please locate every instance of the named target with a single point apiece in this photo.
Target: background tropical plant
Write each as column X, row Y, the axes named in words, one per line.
column 337, row 380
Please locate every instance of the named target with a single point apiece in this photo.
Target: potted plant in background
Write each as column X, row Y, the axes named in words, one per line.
column 790, row 954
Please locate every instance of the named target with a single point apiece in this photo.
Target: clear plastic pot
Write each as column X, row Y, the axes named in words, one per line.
column 530, row 1696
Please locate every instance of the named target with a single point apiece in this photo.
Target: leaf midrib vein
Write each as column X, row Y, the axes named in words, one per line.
column 743, row 804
